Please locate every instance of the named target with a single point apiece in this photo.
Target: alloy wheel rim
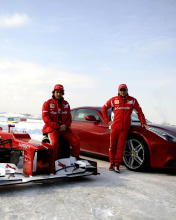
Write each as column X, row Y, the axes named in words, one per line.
column 134, row 154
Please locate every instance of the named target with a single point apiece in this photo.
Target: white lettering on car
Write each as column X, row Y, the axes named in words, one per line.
column 27, row 159
column 25, row 146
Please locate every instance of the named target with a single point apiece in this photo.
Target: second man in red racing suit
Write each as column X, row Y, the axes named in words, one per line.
column 122, row 105
column 57, row 117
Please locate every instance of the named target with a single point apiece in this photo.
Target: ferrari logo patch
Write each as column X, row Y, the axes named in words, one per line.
column 116, row 101
column 52, row 106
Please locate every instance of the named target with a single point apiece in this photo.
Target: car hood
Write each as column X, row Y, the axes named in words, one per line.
column 167, row 128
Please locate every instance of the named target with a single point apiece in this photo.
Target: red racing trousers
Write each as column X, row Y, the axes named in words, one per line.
column 117, row 146
column 72, row 140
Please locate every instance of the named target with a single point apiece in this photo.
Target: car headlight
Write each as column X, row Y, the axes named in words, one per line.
column 163, row 134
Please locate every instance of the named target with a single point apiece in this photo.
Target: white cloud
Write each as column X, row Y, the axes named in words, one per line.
column 21, row 72
column 14, row 20
column 25, row 86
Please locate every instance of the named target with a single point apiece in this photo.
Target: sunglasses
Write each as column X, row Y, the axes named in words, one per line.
column 123, row 89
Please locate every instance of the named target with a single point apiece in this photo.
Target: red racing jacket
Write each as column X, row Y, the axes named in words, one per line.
column 50, row 115
column 122, row 109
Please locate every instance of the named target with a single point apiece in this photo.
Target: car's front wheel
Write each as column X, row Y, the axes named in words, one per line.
column 135, row 154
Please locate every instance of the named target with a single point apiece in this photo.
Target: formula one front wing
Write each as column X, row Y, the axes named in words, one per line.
column 66, row 167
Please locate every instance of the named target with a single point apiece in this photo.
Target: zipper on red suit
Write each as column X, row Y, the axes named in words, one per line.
column 60, row 114
column 123, row 100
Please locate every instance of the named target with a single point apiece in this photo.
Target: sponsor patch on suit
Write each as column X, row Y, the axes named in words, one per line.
column 130, row 102
column 52, row 105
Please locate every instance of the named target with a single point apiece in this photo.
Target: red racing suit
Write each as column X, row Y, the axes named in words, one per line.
column 122, row 109
column 54, row 115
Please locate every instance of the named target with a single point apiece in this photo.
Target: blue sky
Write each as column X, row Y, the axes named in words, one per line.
column 89, row 46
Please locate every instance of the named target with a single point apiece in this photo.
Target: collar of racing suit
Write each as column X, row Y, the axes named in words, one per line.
column 123, row 97
column 59, row 100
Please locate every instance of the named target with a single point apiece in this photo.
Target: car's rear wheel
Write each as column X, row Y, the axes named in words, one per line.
column 136, row 156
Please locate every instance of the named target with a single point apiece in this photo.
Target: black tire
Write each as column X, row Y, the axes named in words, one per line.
column 136, row 154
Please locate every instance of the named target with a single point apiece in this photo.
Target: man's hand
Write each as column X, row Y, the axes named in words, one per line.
column 63, row 128
column 110, row 122
column 145, row 126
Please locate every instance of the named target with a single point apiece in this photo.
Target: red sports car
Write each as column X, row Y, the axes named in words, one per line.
column 154, row 146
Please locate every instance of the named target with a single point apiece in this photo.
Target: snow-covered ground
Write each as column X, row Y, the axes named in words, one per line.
column 125, row 196
column 29, row 116
column 32, row 126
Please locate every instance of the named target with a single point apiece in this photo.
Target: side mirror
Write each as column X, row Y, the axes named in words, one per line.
column 90, row 118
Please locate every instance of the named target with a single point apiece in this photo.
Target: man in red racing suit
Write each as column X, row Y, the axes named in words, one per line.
column 57, row 117
column 122, row 105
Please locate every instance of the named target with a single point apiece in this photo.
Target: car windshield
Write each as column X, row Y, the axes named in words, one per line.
column 134, row 117
column 109, row 111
